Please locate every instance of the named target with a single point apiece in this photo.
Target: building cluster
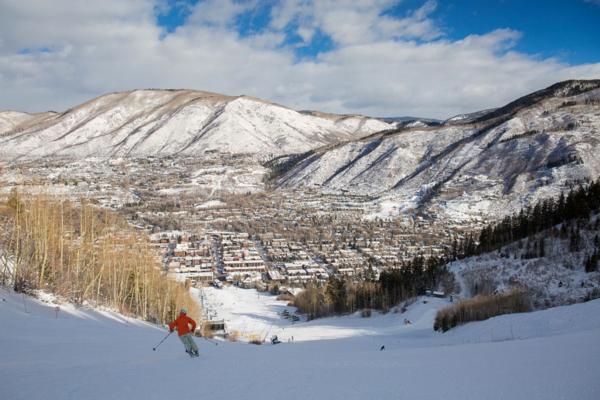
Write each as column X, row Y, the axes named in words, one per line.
column 210, row 225
column 186, row 256
column 237, row 254
column 291, row 238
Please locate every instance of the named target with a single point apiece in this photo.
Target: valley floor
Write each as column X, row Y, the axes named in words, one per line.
column 87, row 354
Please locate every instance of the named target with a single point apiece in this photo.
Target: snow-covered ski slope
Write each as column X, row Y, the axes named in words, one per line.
column 86, row 354
column 252, row 314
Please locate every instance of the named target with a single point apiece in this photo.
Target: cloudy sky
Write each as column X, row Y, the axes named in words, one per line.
column 374, row 57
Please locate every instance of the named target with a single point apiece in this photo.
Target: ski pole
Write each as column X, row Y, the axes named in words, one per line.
column 208, row 340
column 159, row 343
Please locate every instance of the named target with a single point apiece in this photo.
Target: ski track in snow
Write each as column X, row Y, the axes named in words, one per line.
column 86, row 354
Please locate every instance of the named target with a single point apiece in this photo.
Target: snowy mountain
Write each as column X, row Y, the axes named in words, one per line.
column 470, row 117
column 402, row 122
column 13, row 120
column 174, row 122
column 485, row 166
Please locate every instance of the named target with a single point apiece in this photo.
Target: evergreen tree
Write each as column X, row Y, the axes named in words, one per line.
column 591, row 262
column 575, row 240
column 542, row 248
column 577, row 204
column 336, row 294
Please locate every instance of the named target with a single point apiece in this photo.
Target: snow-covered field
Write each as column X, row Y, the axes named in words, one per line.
column 255, row 314
column 86, row 354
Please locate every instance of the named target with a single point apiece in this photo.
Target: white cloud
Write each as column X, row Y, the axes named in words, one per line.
column 378, row 66
column 218, row 13
column 350, row 22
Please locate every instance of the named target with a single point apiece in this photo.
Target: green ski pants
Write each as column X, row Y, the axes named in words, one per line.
column 188, row 342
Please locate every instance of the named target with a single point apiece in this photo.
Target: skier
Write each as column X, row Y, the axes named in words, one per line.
column 182, row 324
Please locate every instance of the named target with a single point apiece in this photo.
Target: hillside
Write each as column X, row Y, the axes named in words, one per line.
column 12, row 120
column 482, row 166
column 551, row 250
column 174, row 122
column 83, row 353
column 550, row 265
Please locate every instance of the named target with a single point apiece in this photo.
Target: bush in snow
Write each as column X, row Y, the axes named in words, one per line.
column 255, row 339
column 206, row 331
column 233, row 336
column 480, row 308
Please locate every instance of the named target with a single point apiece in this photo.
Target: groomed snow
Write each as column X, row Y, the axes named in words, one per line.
column 84, row 354
column 255, row 314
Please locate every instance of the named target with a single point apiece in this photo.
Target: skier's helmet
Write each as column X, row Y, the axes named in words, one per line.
column 183, row 310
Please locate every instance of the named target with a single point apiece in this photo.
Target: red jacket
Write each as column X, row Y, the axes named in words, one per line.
column 182, row 323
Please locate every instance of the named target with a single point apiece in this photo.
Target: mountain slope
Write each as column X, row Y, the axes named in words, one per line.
column 87, row 354
column 16, row 121
column 531, row 148
column 172, row 122
column 550, row 265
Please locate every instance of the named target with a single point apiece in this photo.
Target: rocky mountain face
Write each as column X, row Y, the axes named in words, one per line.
column 484, row 165
column 480, row 165
column 174, row 122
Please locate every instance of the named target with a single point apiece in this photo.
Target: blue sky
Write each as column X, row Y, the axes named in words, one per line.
column 430, row 58
column 565, row 29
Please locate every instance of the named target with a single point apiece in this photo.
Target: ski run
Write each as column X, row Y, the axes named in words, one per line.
column 61, row 352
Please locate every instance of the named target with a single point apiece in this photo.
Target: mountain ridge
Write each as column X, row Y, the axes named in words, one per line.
column 160, row 122
column 534, row 146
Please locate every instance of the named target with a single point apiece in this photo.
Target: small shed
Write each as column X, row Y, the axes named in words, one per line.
column 215, row 326
column 435, row 293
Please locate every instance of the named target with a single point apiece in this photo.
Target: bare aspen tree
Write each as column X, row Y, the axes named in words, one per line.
column 87, row 255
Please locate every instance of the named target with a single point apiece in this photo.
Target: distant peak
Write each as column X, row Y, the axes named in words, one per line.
column 567, row 88
column 573, row 87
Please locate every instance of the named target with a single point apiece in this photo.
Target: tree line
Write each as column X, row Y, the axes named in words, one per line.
column 85, row 254
column 579, row 203
column 342, row 295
